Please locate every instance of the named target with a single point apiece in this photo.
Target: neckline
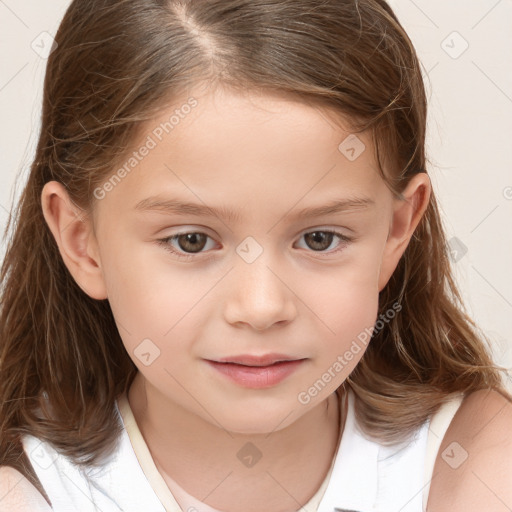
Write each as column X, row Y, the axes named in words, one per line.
column 160, row 486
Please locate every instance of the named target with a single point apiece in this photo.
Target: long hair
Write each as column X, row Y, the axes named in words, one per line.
column 62, row 360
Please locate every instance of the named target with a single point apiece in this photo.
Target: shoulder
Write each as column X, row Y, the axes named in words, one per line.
column 473, row 468
column 17, row 494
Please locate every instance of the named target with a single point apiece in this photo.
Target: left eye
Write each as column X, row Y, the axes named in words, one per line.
column 322, row 239
column 195, row 242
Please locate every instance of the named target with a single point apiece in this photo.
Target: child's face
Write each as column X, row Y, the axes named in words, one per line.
column 260, row 283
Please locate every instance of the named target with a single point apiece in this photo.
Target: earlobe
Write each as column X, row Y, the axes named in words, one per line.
column 407, row 214
column 75, row 239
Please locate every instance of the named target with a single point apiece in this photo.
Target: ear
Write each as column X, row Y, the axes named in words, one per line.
column 407, row 213
column 75, row 238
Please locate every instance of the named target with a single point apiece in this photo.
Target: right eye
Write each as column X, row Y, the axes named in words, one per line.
column 193, row 241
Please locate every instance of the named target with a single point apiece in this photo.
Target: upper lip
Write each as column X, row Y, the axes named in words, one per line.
column 252, row 360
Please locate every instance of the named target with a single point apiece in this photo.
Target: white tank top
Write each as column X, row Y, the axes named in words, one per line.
column 364, row 476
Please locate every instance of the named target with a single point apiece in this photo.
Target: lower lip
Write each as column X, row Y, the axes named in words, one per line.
column 257, row 377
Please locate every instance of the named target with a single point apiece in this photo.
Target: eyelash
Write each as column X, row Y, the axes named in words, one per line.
column 165, row 242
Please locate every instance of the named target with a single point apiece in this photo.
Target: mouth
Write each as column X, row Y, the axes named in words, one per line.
column 256, row 372
column 258, row 361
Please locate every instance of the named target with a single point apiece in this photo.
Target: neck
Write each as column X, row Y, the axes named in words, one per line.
column 219, row 468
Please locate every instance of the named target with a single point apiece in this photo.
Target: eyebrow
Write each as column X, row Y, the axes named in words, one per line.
column 179, row 207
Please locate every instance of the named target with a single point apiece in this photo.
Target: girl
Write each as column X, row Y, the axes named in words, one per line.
column 312, row 353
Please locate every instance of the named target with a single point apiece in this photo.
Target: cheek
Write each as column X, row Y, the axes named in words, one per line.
column 151, row 298
column 350, row 312
column 348, row 293
column 347, row 323
column 346, row 302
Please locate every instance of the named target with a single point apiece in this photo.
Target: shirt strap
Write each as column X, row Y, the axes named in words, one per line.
column 439, row 424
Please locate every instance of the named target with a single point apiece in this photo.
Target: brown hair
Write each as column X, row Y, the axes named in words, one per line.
column 117, row 62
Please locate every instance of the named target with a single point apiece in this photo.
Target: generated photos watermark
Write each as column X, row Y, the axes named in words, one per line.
column 342, row 361
column 150, row 143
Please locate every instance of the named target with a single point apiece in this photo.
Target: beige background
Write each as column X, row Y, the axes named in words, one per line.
column 465, row 47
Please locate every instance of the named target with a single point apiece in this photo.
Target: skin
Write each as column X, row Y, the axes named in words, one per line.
column 266, row 157
column 482, row 481
column 17, row 494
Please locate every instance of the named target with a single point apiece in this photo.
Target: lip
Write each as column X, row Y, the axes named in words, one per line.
column 257, row 376
column 253, row 360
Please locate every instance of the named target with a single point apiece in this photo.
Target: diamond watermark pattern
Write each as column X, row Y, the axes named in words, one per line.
column 457, row 249
column 454, row 45
column 42, row 457
column 352, row 147
column 147, row 352
column 249, row 249
column 249, row 455
column 44, row 45
column 454, row 455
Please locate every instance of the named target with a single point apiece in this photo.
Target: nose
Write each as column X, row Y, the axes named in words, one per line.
column 259, row 296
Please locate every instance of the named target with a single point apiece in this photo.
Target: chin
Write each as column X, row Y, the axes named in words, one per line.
column 259, row 421
column 254, row 429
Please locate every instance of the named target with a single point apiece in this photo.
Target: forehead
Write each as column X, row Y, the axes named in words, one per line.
column 257, row 119
column 228, row 147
